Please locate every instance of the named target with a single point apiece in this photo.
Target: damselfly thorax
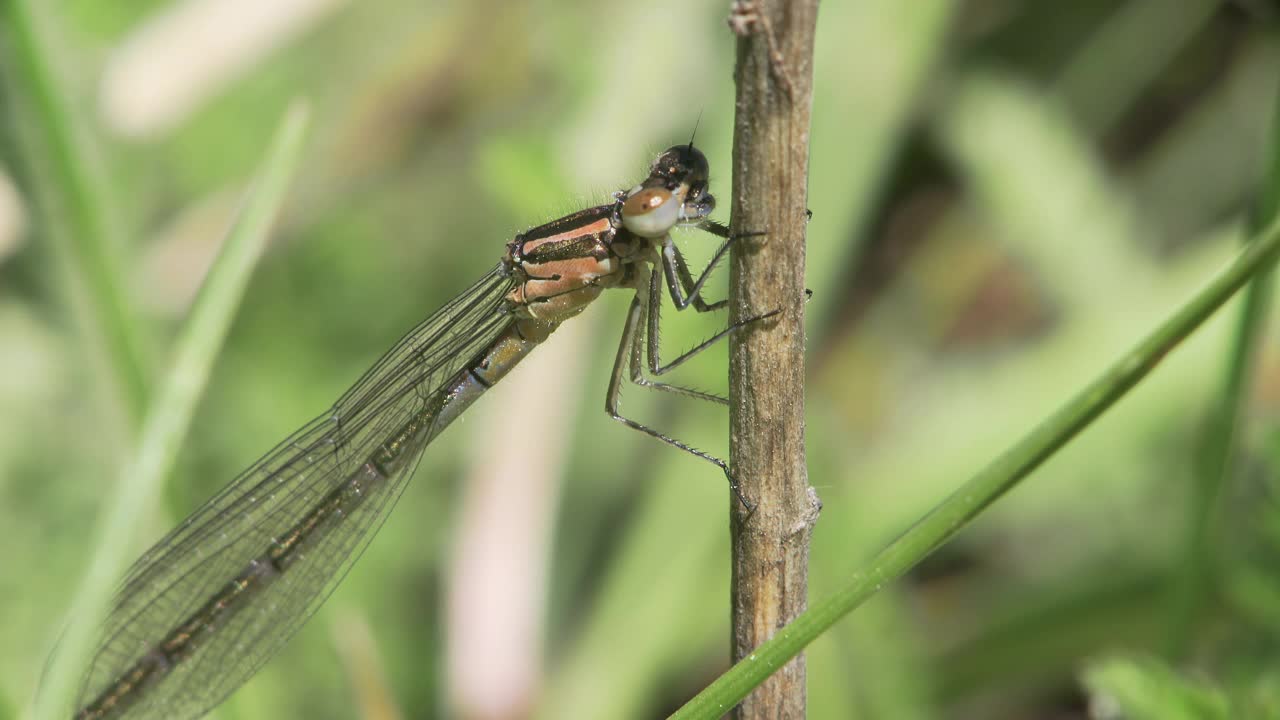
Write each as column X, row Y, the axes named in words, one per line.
column 560, row 267
column 201, row 611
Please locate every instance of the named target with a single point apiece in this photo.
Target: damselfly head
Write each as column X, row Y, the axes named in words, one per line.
column 675, row 193
column 681, row 163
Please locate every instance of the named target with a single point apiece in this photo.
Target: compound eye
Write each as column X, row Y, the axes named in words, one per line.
column 651, row 212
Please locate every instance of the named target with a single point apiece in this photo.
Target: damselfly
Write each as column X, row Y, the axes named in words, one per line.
column 206, row 607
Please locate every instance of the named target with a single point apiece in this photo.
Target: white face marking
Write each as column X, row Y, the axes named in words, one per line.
column 651, row 213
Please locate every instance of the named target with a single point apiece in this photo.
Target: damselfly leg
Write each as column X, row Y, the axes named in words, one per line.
column 636, row 343
column 628, row 351
column 674, row 266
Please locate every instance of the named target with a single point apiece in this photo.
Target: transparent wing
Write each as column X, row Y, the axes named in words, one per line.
column 175, row 580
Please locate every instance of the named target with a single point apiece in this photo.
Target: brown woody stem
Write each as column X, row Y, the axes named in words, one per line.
column 766, row 365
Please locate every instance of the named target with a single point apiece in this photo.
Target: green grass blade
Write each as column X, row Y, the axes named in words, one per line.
column 74, row 195
column 986, row 487
column 1193, row 582
column 166, row 423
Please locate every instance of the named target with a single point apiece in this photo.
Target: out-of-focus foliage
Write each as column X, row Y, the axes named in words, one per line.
column 1005, row 196
column 1137, row 690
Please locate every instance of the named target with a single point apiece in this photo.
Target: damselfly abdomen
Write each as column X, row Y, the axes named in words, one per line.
column 206, row 607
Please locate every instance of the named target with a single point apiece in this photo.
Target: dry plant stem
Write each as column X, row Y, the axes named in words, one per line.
column 766, row 365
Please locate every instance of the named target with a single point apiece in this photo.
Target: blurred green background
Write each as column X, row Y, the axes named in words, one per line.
column 1006, row 195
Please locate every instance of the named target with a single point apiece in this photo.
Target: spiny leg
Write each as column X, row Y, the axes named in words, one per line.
column 673, row 259
column 654, row 301
column 631, row 344
column 628, row 348
column 673, row 263
column 655, row 304
column 691, row 288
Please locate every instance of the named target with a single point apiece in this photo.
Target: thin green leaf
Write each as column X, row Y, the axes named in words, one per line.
column 167, row 421
column 74, row 196
column 1193, row 583
column 997, row 478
